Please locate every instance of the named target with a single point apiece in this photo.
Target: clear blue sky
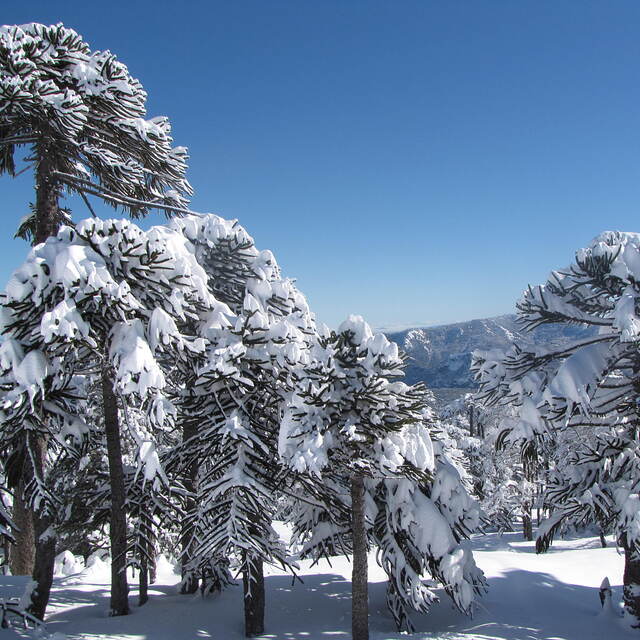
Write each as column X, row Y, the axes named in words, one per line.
column 413, row 162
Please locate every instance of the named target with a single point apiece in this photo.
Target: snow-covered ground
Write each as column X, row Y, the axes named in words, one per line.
column 531, row 597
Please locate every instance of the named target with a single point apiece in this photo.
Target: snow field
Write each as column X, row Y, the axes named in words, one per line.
column 531, row 597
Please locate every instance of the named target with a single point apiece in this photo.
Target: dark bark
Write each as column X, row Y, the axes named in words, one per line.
column 43, row 567
column 254, row 598
column 603, row 541
column 190, row 579
column 631, row 581
column 118, row 522
column 23, row 551
column 527, row 523
column 359, row 574
column 143, row 581
column 47, row 196
column 45, row 540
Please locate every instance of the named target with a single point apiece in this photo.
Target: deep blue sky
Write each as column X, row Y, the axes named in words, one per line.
column 413, row 162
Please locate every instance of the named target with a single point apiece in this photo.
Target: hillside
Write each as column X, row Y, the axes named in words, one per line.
column 440, row 356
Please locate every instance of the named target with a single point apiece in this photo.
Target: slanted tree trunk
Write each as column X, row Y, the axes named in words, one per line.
column 359, row 574
column 45, row 539
column 631, row 580
column 118, row 522
column 189, row 576
column 253, row 586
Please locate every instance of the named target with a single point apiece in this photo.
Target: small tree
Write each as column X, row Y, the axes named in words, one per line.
column 491, row 464
column 590, row 386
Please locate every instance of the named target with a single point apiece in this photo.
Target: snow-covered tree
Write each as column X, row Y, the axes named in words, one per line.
column 83, row 119
column 365, row 435
column 232, row 403
column 590, row 386
column 477, row 441
column 98, row 302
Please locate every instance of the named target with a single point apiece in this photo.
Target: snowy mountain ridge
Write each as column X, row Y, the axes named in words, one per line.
column 440, row 356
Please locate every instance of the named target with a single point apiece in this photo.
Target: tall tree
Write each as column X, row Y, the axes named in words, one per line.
column 82, row 117
column 235, row 396
column 589, row 386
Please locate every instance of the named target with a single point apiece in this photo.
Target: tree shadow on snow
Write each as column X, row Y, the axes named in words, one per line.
column 520, row 605
column 318, row 609
column 526, row 605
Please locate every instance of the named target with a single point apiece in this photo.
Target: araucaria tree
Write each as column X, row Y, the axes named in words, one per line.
column 99, row 303
column 230, row 408
column 82, row 118
column 366, row 436
column 491, row 464
column 589, row 387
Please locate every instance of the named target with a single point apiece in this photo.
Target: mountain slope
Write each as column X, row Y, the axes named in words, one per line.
column 440, row 356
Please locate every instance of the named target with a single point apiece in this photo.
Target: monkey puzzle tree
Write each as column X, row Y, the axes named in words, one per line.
column 82, row 118
column 231, row 407
column 366, row 437
column 591, row 387
column 99, row 302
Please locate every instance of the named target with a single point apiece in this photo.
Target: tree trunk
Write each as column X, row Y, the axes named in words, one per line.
column 527, row 523
column 43, row 568
column 47, row 196
column 45, row 541
column 253, row 585
column 118, row 523
column 23, row 551
column 359, row 574
column 147, row 552
column 190, row 578
column 35, row 552
column 603, row 540
column 631, row 581
column 152, row 568
column 143, row 581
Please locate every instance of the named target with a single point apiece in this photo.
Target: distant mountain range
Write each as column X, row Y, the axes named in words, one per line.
column 440, row 356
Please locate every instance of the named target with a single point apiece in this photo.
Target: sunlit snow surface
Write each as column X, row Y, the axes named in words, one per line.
column 531, row 597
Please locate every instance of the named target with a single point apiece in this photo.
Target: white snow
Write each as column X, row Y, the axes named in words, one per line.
column 554, row 596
